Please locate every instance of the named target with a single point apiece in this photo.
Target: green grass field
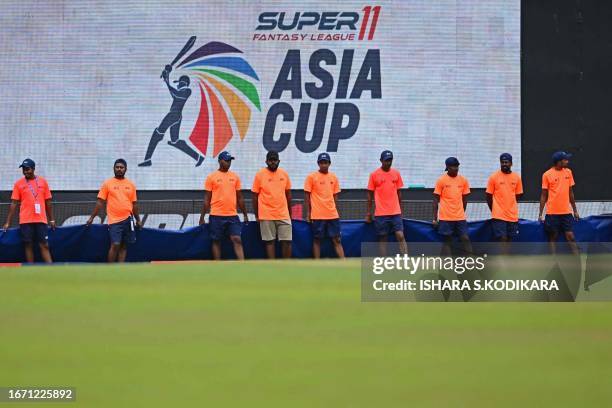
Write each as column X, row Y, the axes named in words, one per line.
column 288, row 334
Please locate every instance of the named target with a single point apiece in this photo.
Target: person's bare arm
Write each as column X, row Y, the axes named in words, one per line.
column 543, row 200
column 49, row 210
column 368, row 217
column 399, row 199
column 241, row 205
column 490, row 201
column 573, row 203
column 336, row 202
column 205, row 206
column 464, row 198
column 99, row 204
column 436, row 203
column 256, row 205
column 11, row 213
column 288, row 197
column 307, row 206
column 136, row 214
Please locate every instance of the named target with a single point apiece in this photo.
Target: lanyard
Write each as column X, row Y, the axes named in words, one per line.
column 34, row 194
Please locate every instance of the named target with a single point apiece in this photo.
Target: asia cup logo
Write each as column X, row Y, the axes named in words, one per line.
column 227, row 98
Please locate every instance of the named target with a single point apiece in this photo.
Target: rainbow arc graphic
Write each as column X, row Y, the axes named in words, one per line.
column 222, row 74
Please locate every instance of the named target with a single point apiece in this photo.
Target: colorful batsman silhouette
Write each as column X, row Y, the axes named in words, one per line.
column 221, row 78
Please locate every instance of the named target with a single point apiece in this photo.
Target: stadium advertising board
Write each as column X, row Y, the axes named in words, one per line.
column 170, row 86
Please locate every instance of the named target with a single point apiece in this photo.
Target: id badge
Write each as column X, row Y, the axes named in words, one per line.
column 36, row 208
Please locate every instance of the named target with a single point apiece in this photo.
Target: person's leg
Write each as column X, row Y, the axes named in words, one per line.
column 446, row 231
column 567, row 226
column 334, row 233
column 317, row 227
column 122, row 253
column 571, row 241
column 382, row 228
column 316, row 248
column 44, row 252
column 337, row 242
column 113, row 252
column 28, row 248
column 551, row 227
column 268, row 235
column 382, row 245
column 115, row 232
column 216, row 249
column 238, row 249
column 234, row 230
column 398, row 231
column 41, row 232
column 27, row 238
column 285, row 235
column 461, row 229
column 467, row 244
column 216, row 230
column 286, row 249
column 446, row 245
column 270, row 249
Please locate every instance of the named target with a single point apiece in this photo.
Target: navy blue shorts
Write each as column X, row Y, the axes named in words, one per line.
column 326, row 228
column 122, row 232
column 387, row 224
column 224, row 226
column 36, row 232
column 559, row 223
column 448, row 228
column 504, row 229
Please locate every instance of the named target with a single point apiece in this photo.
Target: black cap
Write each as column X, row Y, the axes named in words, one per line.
column 323, row 157
column 29, row 163
column 451, row 161
column 386, row 155
column 272, row 155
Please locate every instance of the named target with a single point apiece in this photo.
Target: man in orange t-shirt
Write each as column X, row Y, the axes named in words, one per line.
column 321, row 190
column 31, row 193
column 503, row 190
column 384, row 188
column 119, row 195
column 558, row 196
column 450, row 201
column 272, row 203
column 221, row 194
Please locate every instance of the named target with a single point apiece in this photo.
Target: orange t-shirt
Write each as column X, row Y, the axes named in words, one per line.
column 271, row 187
column 385, row 184
column 30, row 192
column 120, row 195
column 504, row 188
column 223, row 187
column 451, row 191
column 322, row 187
column 558, row 183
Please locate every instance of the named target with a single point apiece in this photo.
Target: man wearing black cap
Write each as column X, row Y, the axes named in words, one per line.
column 504, row 188
column 272, row 203
column 31, row 193
column 449, row 203
column 172, row 121
column 321, row 189
column 221, row 194
column 384, row 189
column 557, row 196
column 119, row 195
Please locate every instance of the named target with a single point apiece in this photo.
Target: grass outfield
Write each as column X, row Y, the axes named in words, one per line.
column 288, row 334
